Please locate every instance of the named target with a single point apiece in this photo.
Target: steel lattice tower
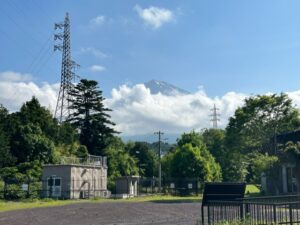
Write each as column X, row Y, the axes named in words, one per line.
column 67, row 68
column 215, row 117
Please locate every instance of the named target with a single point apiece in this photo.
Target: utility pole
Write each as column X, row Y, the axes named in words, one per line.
column 215, row 117
column 159, row 133
column 62, row 110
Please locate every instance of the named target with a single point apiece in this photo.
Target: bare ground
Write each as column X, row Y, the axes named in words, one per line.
column 125, row 213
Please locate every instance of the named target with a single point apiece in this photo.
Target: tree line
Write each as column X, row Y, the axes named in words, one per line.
column 243, row 150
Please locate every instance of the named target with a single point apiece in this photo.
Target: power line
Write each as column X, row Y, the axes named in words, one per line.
column 38, row 61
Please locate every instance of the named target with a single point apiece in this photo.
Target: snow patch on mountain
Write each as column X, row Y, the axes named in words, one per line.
column 164, row 88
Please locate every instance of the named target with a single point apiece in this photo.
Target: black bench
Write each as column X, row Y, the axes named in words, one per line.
column 218, row 192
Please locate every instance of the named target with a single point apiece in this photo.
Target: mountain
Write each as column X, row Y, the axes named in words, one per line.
column 164, row 88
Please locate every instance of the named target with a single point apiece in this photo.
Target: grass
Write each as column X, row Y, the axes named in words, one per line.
column 27, row 204
column 36, row 203
column 252, row 190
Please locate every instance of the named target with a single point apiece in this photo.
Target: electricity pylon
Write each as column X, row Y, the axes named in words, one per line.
column 62, row 110
column 215, row 116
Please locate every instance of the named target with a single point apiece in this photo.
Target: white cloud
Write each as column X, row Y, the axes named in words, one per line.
column 98, row 20
column 97, row 68
column 14, row 94
column 137, row 111
column 14, row 76
column 155, row 16
column 95, row 52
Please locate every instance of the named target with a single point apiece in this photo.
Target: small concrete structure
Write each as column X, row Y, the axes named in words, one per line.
column 284, row 178
column 285, row 181
column 127, row 186
column 74, row 178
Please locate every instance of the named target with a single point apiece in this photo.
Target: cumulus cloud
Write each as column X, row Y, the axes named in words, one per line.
column 137, row 111
column 14, row 94
column 94, row 51
column 14, row 76
column 98, row 20
column 97, row 68
column 154, row 16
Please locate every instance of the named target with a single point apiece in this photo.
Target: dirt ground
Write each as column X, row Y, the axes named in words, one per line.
column 125, row 213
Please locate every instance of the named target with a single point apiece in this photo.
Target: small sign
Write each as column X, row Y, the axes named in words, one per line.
column 25, row 187
column 172, row 185
column 190, row 186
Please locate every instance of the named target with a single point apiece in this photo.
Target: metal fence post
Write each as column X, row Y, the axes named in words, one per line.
column 291, row 213
column 202, row 214
column 274, row 214
column 242, row 211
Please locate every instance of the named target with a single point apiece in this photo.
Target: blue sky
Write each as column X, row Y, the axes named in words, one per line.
column 220, row 51
column 242, row 46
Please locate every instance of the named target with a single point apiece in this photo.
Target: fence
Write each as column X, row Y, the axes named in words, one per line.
column 256, row 211
column 69, row 188
column 173, row 186
column 54, row 187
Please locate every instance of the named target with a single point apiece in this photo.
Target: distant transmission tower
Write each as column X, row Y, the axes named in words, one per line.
column 215, row 116
column 67, row 68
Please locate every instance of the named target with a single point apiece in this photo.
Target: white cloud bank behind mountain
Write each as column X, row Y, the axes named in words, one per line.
column 135, row 110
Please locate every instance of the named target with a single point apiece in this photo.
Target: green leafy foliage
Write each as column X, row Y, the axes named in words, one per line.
column 261, row 118
column 253, row 129
column 214, row 140
column 147, row 160
column 120, row 162
column 90, row 116
column 191, row 159
column 262, row 163
column 6, row 158
column 32, row 145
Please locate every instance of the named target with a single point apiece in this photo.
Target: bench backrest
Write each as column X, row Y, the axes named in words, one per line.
column 223, row 192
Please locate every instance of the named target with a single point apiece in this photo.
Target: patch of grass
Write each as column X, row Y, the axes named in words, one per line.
column 36, row 203
column 252, row 189
column 28, row 204
column 166, row 198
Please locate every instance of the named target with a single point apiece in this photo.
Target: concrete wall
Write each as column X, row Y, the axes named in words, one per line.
column 60, row 171
column 127, row 186
column 77, row 181
column 88, row 180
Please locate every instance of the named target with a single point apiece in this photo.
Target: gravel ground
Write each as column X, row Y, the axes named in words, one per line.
column 111, row 213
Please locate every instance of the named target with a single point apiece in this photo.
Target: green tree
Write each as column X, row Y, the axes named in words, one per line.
column 32, row 112
column 191, row 159
column 147, row 159
column 6, row 158
column 29, row 143
column 90, row 116
column 253, row 129
column 262, row 163
column 261, row 118
column 214, row 140
column 120, row 162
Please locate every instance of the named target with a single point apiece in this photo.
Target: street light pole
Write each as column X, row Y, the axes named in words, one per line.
column 159, row 133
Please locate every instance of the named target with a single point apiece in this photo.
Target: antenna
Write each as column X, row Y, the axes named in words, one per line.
column 68, row 66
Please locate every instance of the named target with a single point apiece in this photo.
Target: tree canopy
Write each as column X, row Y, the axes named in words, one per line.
column 90, row 116
column 191, row 159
